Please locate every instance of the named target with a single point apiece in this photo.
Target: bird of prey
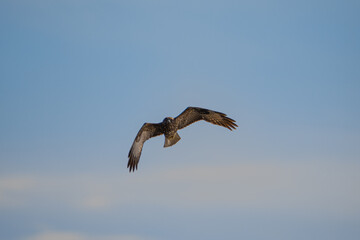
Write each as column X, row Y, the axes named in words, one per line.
column 169, row 127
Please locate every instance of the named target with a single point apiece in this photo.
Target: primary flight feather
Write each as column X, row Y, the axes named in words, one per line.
column 169, row 127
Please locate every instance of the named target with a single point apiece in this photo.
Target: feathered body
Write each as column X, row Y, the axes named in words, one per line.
column 169, row 127
column 170, row 131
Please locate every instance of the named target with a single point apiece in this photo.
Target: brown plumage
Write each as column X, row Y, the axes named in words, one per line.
column 169, row 127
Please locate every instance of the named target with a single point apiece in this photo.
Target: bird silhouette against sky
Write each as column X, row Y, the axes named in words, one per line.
column 169, row 127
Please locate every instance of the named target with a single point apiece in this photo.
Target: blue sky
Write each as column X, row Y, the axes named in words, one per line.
column 79, row 78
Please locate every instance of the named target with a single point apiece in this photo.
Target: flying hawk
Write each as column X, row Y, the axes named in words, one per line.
column 169, row 127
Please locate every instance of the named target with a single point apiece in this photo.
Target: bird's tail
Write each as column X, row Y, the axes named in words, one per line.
column 169, row 141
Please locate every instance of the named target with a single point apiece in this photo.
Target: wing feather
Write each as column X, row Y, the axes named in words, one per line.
column 148, row 130
column 194, row 114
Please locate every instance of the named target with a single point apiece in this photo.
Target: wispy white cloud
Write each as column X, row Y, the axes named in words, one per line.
column 300, row 187
column 13, row 188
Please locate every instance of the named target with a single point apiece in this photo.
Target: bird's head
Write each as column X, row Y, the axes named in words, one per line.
column 168, row 120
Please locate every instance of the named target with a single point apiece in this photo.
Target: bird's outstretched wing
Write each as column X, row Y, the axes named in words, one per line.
column 193, row 114
column 147, row 131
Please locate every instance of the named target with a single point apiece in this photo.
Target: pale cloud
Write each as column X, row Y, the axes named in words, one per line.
column 16, row 183
column 57, row 235
column 13, row 189
column 331, row 189
column 308, row 188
